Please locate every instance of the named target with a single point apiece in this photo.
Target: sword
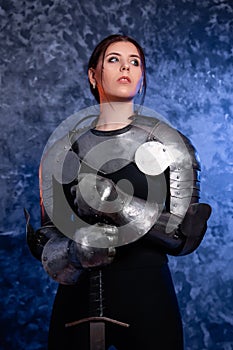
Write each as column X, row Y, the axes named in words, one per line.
column 98, row 321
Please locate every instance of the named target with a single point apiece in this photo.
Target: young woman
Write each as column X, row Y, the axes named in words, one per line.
column 135, row 205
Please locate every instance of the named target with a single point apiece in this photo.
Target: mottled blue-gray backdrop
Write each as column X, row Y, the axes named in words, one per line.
column 45, row 45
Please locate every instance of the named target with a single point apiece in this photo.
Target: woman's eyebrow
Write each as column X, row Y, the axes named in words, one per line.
column 113, row 53
column 118, row 54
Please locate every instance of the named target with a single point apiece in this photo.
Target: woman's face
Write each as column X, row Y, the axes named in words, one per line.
column 121, row 76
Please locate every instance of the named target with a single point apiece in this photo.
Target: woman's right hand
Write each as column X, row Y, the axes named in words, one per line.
column 64, row 259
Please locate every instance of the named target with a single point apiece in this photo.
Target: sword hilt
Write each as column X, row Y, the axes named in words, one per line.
column 96, row 308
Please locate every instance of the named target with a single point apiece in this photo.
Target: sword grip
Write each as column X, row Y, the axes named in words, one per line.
column 96, row 299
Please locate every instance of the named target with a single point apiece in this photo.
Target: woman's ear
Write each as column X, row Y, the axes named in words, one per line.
column 91, row 76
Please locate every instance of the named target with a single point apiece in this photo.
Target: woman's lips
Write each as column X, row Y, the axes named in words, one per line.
column 124, row 80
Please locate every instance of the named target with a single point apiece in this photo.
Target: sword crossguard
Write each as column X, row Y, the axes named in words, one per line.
column 96, row 319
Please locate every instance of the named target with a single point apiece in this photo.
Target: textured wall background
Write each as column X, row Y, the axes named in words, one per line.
column 45, row 45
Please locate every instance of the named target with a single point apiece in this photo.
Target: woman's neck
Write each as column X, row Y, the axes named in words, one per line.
column 114, row 115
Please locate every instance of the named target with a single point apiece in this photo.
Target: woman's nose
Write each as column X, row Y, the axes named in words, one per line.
column 124, row 67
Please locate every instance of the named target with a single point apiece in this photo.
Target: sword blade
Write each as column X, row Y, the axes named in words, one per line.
column 97, row 336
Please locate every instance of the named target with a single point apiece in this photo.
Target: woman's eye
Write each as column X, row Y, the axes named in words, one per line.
column 113, row 59
column 135, row 62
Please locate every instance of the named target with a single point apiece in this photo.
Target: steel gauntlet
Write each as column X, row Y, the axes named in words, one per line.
column 65, row 259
